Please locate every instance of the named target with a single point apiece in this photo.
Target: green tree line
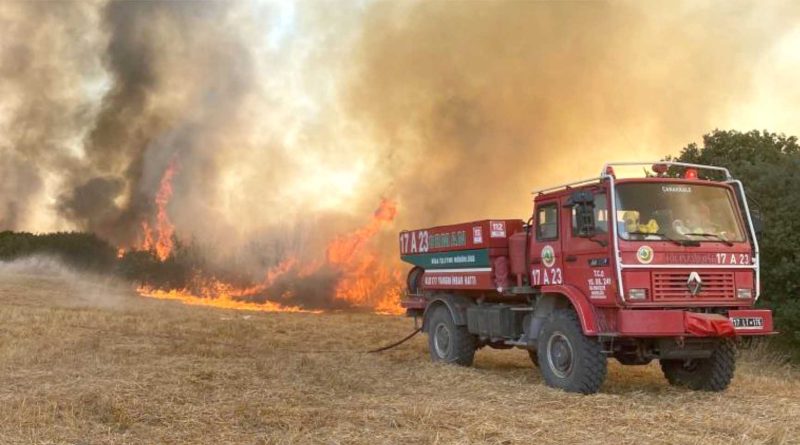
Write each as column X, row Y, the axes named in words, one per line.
column 80, row 250
column 87, row 252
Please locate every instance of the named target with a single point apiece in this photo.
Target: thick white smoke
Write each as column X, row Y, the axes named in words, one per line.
column 290, row 121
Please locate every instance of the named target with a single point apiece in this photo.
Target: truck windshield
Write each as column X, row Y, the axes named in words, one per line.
column 684, row 212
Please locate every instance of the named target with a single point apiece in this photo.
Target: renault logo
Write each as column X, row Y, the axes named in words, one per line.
column 694, row 283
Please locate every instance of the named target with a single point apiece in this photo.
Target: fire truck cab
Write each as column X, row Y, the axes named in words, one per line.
column 661, row 267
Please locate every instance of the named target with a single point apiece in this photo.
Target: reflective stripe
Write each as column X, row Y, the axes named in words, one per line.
column 685, row 266
column 481, row 269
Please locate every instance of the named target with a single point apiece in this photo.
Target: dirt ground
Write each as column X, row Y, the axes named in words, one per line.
column 84, row 360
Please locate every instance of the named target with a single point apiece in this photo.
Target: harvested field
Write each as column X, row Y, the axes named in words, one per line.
column 86, row 361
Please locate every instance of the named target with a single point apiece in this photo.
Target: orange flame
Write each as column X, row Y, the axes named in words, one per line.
column 217, row 294
column 162, row 244
column 364, row 279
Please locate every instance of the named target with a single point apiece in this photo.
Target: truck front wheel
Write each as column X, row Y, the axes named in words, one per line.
column 708, row 374
column 447, row 342
column 568, row 359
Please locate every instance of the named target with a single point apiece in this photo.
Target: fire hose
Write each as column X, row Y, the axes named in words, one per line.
column 174, row 337
column 395, row 344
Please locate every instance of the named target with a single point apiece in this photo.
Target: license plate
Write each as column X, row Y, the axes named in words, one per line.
column 748, row 322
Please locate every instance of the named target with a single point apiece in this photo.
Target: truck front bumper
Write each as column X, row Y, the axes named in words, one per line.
column 669, row 322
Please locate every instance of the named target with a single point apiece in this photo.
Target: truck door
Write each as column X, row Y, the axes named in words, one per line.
column 587, row 261
column 546, row 258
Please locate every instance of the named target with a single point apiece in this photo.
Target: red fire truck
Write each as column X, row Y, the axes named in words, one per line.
column 663, row 266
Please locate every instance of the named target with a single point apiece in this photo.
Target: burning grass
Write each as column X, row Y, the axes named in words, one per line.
column 352, row 274
column 221, row 296
column 89, row 362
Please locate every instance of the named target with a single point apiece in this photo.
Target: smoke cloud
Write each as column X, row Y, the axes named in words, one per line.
column 480, row 102
column 45, row 109
column 289, row 122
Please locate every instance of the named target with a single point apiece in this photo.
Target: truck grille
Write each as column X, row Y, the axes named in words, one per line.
column 671, row 286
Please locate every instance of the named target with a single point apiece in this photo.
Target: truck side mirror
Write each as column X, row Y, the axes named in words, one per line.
column 584, row 220
column 755, row 214
column 758, row 221
column 580, row 197
column 583, row 203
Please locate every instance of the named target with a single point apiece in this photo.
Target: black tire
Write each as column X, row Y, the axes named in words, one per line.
column 568, row 359
column 447, row 342
column 709, row 374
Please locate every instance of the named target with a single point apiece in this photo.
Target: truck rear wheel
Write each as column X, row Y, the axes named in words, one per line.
column 447, row 342
column 708, row 374
column 568, row 359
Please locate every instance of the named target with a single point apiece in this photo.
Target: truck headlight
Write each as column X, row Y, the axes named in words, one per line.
column 744, row 294
column 637, row 294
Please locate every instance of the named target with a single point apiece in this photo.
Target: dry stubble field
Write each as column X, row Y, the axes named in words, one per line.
column 86, row 361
